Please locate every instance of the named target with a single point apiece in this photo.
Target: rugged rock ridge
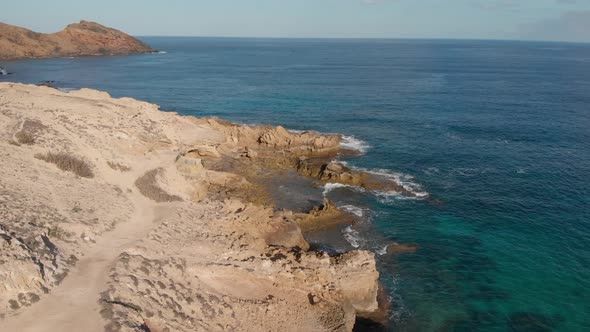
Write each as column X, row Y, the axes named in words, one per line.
column 268, row 138
column 335, row 172
column 252, row 286
column 78, row 39
column 157, row 239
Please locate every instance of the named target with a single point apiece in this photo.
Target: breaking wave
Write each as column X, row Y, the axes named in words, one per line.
column 353, row 237
column 382, row 251
column 386, row 197
column 405, row 180
column 357, row 211
column 328, row 187
column 355, row 144
column 296, row 131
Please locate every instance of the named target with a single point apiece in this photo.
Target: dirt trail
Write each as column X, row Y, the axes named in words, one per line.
column 73, row 305
column 214, row 263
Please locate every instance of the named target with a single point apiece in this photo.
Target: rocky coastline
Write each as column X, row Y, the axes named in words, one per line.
column 78, row 39
column 117, row 216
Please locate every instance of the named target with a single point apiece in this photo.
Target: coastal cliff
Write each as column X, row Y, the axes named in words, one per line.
column 78, row 39
column 117, row 216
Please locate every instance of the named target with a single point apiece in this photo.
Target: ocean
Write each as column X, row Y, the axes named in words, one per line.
column 495, row 135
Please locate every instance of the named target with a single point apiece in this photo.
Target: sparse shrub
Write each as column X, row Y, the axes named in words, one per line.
column 29, row 131
column 118, row 167
column 148, row 186
column 68, row 163
column 57, row 232
column 33, row 126
column 24, row 138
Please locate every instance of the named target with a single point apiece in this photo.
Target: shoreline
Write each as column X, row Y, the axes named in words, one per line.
column 190, row 172
column 78, row 39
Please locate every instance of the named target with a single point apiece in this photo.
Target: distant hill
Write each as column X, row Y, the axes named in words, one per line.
column 84, row 38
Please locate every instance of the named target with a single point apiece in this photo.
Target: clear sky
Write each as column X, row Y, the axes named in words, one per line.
column 567, row 20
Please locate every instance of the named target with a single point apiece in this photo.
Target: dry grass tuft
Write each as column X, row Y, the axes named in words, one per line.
column 68, row 163
column 30, row 130
column 118, row 167
column 148, row 186
column 58, row 233
column 33, row 127
column 23, row 137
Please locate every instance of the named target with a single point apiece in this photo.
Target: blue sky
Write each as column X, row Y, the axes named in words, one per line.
column 567, row 20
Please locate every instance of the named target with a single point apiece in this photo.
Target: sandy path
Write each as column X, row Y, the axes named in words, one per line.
column 74, row 305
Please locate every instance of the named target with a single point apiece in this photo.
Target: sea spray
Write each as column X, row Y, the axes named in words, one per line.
column 354, row 144
column 353, row 237
column 329, row 187
column 406, row 181
column 382, row 251
column 357, row 211
column 296, row 131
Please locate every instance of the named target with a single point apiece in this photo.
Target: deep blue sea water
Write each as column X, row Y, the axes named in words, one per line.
column 498, row 133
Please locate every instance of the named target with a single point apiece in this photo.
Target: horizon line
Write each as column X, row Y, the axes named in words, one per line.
column 370, row 38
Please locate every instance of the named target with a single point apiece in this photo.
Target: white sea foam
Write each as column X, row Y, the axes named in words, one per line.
column 353, row 237
column 404, row 180
column 386, row 197
column 355, row 144
column 331, row 186
column 295, row 131
column 249, row 124
column 382, row 251
column 357, row 211
column 343, row 163
column 395, row 297
column 328, row 187
column 66, row 90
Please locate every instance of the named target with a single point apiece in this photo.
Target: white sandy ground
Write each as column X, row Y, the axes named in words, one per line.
column 74, row 304
column 209, row 263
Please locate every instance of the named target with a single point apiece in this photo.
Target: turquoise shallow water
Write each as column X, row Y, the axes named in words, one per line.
column 498, row 133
